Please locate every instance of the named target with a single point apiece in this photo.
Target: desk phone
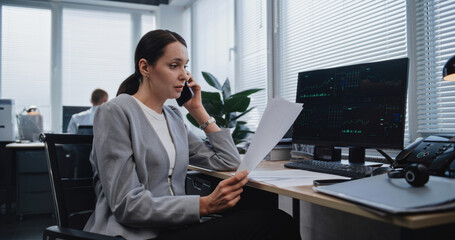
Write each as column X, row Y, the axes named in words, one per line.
column 433, row 155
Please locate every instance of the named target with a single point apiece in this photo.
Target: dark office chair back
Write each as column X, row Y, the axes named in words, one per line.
column 71, row 177
column 85, row 130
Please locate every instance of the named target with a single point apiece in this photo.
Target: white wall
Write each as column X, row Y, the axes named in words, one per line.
column 171, row 18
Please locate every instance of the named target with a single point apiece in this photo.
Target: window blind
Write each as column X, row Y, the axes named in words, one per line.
column 186, row 34
column 148, row 24
column 435, row 44
column 213, row 41
column 26, row 58
column 95, row 44
column 252, row 55
column 324, row 34
column 96, row 53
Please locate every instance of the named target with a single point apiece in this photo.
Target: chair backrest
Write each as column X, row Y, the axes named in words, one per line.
column 85, row 129
column 71, row 177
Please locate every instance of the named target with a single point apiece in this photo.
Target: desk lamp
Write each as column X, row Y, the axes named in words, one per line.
column 448, row 72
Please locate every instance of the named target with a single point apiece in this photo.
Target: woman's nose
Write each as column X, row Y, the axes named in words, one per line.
column 185, row 76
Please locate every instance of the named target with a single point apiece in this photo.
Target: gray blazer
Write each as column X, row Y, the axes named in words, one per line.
column 131, row 168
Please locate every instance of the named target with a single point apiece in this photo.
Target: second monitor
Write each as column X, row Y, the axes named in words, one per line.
column 359, row 106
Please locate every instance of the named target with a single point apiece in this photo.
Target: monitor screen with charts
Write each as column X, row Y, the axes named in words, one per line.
column 359, row 106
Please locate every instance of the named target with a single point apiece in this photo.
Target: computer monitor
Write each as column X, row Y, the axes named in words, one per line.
column 68, row 112
column 359, row 106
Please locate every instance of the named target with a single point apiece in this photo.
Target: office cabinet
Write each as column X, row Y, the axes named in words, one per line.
column 3, row 173
column 32, row 185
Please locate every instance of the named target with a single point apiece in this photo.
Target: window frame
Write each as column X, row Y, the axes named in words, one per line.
column 56, row 8
column 273, row 80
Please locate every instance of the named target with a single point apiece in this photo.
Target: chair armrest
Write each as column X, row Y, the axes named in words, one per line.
column 54, row 232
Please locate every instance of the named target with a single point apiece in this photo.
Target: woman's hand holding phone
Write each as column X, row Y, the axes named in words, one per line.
column 195, row 107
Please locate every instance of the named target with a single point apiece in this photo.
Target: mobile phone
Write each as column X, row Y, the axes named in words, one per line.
column 185, row 96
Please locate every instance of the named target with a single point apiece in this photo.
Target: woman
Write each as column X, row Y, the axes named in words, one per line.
column 141, row 150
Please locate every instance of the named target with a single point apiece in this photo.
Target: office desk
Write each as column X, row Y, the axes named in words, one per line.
column 306, row 193
column 28, row 180
column 3, row 172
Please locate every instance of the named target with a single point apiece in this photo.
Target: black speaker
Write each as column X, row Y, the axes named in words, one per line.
column 416, row 174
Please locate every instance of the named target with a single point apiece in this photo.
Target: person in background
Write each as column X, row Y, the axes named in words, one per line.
column 140, row 156
column 99, row 96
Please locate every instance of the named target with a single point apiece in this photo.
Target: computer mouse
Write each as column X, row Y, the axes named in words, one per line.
column 381, row 170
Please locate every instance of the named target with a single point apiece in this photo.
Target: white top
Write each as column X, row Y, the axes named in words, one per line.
column 82, row 118
column 159, row 124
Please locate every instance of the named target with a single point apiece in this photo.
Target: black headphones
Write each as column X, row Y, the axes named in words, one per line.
column 415, row 174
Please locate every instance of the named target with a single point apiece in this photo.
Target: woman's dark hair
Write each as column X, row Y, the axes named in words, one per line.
column 151, row 48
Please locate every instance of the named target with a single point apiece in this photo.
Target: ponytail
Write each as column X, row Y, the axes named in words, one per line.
column 130, row 85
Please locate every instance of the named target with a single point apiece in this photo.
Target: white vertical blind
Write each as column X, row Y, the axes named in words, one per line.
column 252, row 55
column 213, row 36
column 148, row 23
column 323, row 34
column 435, row 30
column 96, row 53
column 26, row 58
column 186, row 34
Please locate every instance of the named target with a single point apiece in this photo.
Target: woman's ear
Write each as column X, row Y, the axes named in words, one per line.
column 144, row 67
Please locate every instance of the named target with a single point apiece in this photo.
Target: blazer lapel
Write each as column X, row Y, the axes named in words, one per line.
column 178, row 134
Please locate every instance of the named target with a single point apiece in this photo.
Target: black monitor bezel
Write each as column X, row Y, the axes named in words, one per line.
column 67, row 113
column 353, row 144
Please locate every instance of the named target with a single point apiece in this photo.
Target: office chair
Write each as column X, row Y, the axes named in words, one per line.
column 71, row 180
column 85, row 129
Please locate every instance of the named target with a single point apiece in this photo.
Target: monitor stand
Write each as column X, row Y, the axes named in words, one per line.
column 333, row 154
column 357, row 157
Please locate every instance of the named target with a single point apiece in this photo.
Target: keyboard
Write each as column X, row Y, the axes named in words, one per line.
column 337, row 168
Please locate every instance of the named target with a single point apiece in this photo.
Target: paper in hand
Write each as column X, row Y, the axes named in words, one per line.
column 278, row 117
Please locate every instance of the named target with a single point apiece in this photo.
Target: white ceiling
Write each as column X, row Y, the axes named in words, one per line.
column 180, row 3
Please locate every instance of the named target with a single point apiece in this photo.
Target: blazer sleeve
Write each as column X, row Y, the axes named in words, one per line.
column 128, row 198
column 218, row 152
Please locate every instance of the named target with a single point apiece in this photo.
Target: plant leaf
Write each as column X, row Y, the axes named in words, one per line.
column 232, row 123
column 240, row 133
column 236, row 142
column 211, row 96
column 237, row 104
column 247, row 92
column 212, row 102
column 242, row 114
column 226, row 89
column 192, row 120
column 211, row 80
column 220, row 121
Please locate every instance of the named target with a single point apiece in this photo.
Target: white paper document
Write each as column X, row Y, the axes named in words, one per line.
column 275, row 122
column 290, row 177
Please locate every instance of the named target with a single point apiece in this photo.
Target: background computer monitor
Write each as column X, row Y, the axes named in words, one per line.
column 359, row 106
column 68, row 112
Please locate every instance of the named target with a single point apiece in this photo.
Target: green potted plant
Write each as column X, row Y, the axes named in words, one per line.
column 227, row 108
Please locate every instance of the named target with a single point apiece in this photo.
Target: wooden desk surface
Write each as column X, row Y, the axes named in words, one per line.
column 306, row 193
